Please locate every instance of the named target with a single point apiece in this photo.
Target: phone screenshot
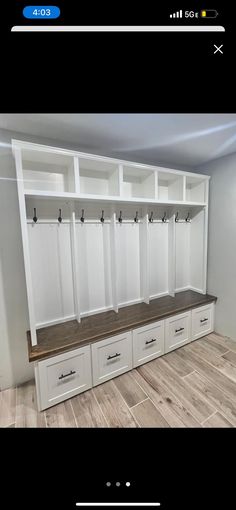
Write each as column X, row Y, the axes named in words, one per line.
column 117, row 255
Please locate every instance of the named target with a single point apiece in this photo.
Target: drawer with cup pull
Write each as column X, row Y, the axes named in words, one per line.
column 202, row 321
column 148, row 342
column 63, row 376
column 111, row 357
column 177, row 331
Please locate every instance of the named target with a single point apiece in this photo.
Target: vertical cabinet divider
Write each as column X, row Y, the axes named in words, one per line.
column 75, row 265
column 120, row 179
column 76, row 174
column 113, row 240
column 25, row 242
column 144, row 258
column 171, row 256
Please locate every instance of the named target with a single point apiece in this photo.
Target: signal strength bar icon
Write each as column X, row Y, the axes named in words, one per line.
column 178, row 14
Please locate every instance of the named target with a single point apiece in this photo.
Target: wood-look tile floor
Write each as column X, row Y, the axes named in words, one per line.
column 194, row 386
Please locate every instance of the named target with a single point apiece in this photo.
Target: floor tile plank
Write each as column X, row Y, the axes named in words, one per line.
column 113, row 406
column 7, row 407
column 87, row 411
column 60, row 415
column 147, row 415
column 217, row 421
column 224, row 366
column 174, row 412
column 223, row 341
column 129, row 389
column 180, row 366
column 219, row 399
column 198, row 407
column 211, row 373
column 27, row 414
column 230, row 356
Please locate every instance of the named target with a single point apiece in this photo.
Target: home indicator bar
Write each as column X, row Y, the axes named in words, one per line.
column 119, row 504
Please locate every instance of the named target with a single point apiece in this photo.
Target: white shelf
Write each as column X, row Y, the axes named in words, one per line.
column 98, row 178
column 104, row 198
column 195, row 189
column 170, row 187
column 47, row 171
column 138, row 183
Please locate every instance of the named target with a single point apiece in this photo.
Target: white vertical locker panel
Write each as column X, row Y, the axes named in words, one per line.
column 197, row 246
column 94, row 266
column 128, row 262
column 182, row 239
column 50, row 257
column 158, row 258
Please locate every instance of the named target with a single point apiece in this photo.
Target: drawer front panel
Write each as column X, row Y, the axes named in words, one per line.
column 148, row 343
column 177, row 331
column 202, row 321
column 64, row 376
column 111, row 357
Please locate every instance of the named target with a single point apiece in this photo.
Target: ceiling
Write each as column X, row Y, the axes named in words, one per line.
column 179, row 140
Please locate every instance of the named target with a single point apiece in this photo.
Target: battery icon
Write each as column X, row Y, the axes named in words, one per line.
column 209, row 13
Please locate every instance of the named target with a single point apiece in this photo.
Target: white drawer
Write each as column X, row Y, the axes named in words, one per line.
column 63, row 376
column 111, row 357
column 177, row 331
column 148, row 343
column 202, row 321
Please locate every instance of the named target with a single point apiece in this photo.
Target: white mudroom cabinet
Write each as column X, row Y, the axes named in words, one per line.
column 115, row 264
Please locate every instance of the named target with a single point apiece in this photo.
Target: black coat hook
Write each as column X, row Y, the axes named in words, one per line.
column 35, row 219
column 120, row 217
column 102, row 217
column 136, row 217
column 59, row 217
column 151, row 217
column 82, row 217
column 188, row 218
column 164, row 218
column 177, row 217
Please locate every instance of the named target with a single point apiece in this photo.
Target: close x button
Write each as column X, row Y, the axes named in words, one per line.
column 218, row 49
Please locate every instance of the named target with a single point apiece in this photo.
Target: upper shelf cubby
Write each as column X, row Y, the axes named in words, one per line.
column 50, row 171
column 170, row 186
column 47, row 171
column 98, row 177
column 195, row 189
column 138, row 183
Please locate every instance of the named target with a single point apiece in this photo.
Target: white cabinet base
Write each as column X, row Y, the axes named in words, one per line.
column 111, row 357
column 63, row 376
column 148, row 342
column 202, row 321
column 177, row 331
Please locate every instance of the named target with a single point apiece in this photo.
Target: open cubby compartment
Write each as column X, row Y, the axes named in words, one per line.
column 170, row 186
column 98, row 177
column 95, row 258
column 190, row 251
column 48, row 171
column 159, row 250
column 138, row 182
column 51, row 261
column 195, row 189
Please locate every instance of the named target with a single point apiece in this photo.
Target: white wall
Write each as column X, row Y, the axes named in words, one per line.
column 222, row 241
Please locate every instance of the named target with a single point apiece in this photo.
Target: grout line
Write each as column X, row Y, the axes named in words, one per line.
column 131, row 373
column 213, row 414
column 76, row 423
column 144, row 400
column 173, row 396
column 183, row 376
column 100, row 408
column 126, row 404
